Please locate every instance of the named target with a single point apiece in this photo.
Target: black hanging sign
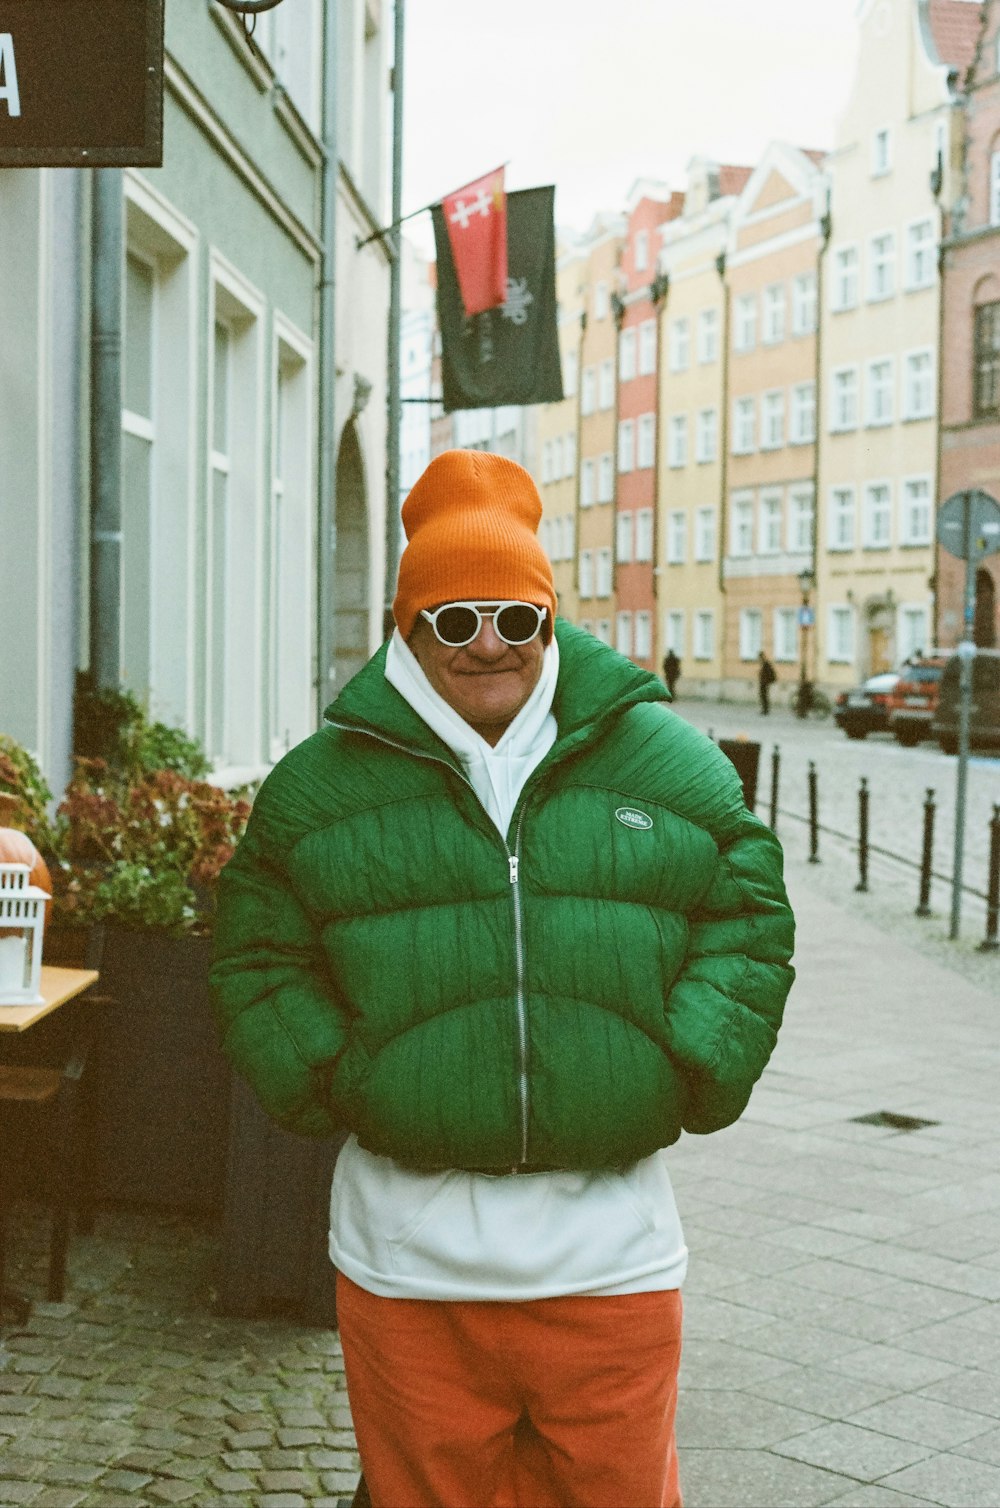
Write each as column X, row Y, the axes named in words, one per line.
column 81, row 83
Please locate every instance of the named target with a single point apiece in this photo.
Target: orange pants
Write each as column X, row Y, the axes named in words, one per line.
column 556, row 1403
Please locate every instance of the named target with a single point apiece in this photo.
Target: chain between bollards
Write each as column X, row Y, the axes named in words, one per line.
column 775, row 770
column 813, row 815
column 924, row 904
column 863, row 796
column 990, row 942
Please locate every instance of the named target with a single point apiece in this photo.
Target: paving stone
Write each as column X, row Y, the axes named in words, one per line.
column 174, row 1492
column 710, row 1418
column 951, row 1480
column 280, row 1500
column 233, row 1481
column 871, row 1495
column 285, row 1481
column 922, row 1420
column 59, row 1497
column 251, row 1439
column 125, row 1481
column 852, row 1451
column 68, row 1472
column 820, row 1391
column 18, row 1492
column 287, row 1438
column 302, row 1419
column 340, row 1481
column 985, row 1447
column 242, row 1460
column 905, row 1369
column 739, row 1478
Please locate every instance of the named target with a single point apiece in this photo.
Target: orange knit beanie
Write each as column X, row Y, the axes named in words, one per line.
column 471, row 523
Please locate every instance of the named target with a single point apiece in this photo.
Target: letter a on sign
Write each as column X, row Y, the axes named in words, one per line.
column 8, row 75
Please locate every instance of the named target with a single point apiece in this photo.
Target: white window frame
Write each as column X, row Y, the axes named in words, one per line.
column 623, row 633
column 606, row 384
column 843, row 419
column 677, row 441
column 588, row 391
column 640, row 254
column 601, row 300
column 921, row 255
column 643, row 642
column 644, row 534
column 772, row 419
column 773, row 321
column 842, row 521
column 586, row 574
column 804, row 304
column 646, row 442
column 751, row 633
column 881, row 266
column 744, row 425
column 673, row 630
column 881, row 157
column 912, row 628
column 679, row 344
column 916, row 522
column 802, row 429
column 872, row 514
column 879, row 395
column 603, row 571
column 741, row 526
column 703, row 634
column 627, row 355
column 647, row 348
column 845, row 280
column 624, row 531
column 704, row 533
column 994, row 188
column 801, row 519
column 784, row 635
column 745, row 323
column 770, row 521
column 605, row 477
column 626, row 445
column 919, row 410
column 676, row 536
column 707, row 436
column 841, row 627
column 588, row 482
column 708, row 336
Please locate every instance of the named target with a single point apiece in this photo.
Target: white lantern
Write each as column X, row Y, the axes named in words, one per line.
column 22, row 918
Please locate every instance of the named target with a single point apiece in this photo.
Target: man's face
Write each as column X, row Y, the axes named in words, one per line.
column 486, row 682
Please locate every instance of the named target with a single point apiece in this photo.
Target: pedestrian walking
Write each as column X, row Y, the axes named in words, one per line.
column 766, row 677
column 671, row 671
column 457, row 927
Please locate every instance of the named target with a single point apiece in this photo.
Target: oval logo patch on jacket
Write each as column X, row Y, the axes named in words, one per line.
column 629, row 817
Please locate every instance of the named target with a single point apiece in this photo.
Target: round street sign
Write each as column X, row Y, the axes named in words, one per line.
column 977, row 538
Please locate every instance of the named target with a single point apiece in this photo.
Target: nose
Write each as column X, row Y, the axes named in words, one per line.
column 488, row 645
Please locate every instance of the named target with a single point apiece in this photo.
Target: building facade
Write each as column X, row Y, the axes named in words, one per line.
column 557, row 436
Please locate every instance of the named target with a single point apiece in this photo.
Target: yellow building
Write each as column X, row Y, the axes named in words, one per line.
column 555, row 455
column 691, row 462
column 891, row 170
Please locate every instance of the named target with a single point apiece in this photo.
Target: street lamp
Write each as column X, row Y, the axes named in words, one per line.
column 806, row 581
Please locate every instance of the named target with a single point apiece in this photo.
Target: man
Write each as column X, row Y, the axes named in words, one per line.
column 766, row 677
column 507, row 919
column 671, row 670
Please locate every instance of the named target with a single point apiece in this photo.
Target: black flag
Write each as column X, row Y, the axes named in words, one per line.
column 510, row 354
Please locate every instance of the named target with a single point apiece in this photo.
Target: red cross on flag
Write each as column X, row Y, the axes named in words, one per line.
column 476, row 217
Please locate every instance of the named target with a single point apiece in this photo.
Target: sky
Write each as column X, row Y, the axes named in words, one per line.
column 593, row 94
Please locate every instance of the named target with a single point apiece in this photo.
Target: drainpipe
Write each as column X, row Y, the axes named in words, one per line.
column 819, row 508
column 394, row 245
column 720, row 267
column 327, row 424
column 107, row 244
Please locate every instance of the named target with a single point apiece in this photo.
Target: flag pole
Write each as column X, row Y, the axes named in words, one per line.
column 394, row 375
column 398, row 220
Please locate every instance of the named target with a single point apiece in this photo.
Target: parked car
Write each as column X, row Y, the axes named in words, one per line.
column 984, row 710
column 914, row 699
column 865, row 708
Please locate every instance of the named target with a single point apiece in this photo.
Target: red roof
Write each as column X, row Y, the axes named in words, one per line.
column 732, row 179
column 955, row 25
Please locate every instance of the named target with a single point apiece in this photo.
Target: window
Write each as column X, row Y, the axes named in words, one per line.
column 643, row 647
column 804, row 304
column 772, row 420
column 704, row 534
column 606, row 384
column 600, row 300
column 603, row 573
column 644, row 534
column 986, row 363
column 623, row 537
column 841, row 522
column 139, row 449
column 603, row 631
column 751, row 633
column 708, row 336
column 677, row 440
column 647, row 347
column 840, row 637
column 745, row 323
column 921, row 254
column 744, row 423
column 800, row 520
column 588, row 393
column 569, row 453
column 571, row 363
column 704, row 634
column 803, row 418
column 623, row 633
column 912, row 631
column 881, row 152
column 568, row 539
column 877, row 516
column 878, row 391
column 546, row 461
column 586, row 573
column 844, row 399
column 915, row 524
column 673, row 631
column 741, row 527
column 626, row 355
column 641, row 255
column 605, row 478
column 995, row 188
column 626, row 445
column 784, row 629
column 557, row 458
column 918, row 385
column 881, row 266
column 647, row 441
column 707, row 435
column 844, row 284
column 679, row 345
column 587, row 491
column 774, row 314
column 770, row 523
column 676, row 537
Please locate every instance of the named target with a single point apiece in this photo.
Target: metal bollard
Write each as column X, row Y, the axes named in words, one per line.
column 813, row 816
column 863, row 835
column 990, row 942
column 924, row 905
column 775, row 771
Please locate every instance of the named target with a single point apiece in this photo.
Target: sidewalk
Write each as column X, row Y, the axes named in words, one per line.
column 842, row 1315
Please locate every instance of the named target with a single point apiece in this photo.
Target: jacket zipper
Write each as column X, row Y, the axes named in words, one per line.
column 513, row 867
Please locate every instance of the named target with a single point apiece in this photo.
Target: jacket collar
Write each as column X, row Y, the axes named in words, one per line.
column 595, row 683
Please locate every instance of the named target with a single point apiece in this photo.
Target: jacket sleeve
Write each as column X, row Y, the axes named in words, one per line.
column 725, row 1006
column 281, row 1026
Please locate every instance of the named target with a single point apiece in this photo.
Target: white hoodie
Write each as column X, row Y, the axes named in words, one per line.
column 402, row 1233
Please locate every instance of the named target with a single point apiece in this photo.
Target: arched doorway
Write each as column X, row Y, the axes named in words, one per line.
column 351, row 572
column 984, row 627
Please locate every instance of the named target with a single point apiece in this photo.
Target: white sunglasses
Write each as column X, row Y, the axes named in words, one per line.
column 458, row 623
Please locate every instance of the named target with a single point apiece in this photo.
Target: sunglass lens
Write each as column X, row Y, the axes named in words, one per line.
column 457, row 625
column 517, row 623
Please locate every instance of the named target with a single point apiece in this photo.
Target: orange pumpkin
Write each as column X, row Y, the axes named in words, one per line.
column 17, row 848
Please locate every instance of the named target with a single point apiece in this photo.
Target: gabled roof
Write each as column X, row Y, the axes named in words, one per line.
column 732, row 179
column 955, row 25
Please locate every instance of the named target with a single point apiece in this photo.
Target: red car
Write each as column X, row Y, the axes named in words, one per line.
column 914, row 699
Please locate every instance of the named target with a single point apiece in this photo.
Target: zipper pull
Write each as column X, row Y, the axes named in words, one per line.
column 513, row 861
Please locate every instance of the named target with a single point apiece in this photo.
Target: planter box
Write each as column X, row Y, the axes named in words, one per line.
column 161, row 1084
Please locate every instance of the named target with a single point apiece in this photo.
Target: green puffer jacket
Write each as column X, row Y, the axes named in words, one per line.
column 575, row 997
